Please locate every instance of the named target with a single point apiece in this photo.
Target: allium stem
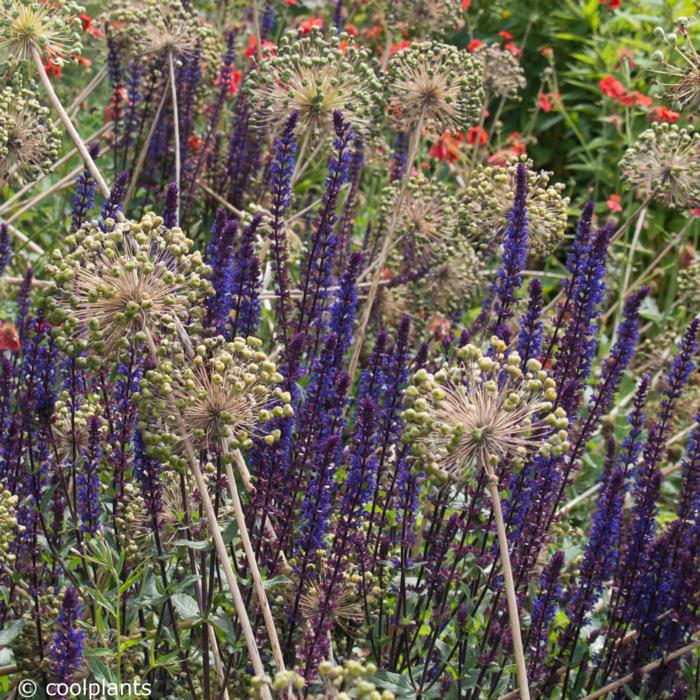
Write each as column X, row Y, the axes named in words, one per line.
column 252, row 561
column 414, row 143
column 176, row 122
column 144, row 150
column 215, row 532
column 644, row 669
column 518, row 653
column 68, row 124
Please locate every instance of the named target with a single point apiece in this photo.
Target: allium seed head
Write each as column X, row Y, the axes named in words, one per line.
column 683, row 80
column 665, row 160
column 52, row 27
column 156, row 27
column 226, row 394
column 437, row 85
column 29, row 140
column 489, row 198
column 503, row 74
column 427, row 215
column 315, row 77
column 132, row 277
column 428, row 16
column 482, row 411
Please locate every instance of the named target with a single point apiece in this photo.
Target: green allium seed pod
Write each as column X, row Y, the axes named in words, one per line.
column 314, row 76
column 29, row 141
column 489, row 199
column 689, row 287
column 117, row 284
column 665, row 162
column 8, row 524
column 483, row 410
column 436, row 85
column 503, row 74
column 52, row 27
column 227, row 394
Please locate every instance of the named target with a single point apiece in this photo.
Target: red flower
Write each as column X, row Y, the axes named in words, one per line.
column 663, row 114
column 308, row 25
column 510, row 46
column 611, row 4
column 474, row 44
column 82, row 60
column 89, row 27
column 9, row 340
column 395, row 48
column 639, row 99
column 267, row 47
column 611, row 87
column 466, row 4
column 547, row 52
column 234, row 82
column 446, row 147
column 52, row 69
column 351, row 29
column 476, row 133
column 194, row 142
column 505, row 35
column 547, row 101
column 614, row 203
column 695, row 212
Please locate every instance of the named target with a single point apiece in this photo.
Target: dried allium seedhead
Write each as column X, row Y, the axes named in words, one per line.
column 689, row 287
column 315, row 77
column 483, row 411
column 503, row 74
column 118, row 284
column 52, row 27
column 156, row 27
column 29, row 140
column 683, row 80
column 489, row 199
column 8, row 524
column 427, row 215
column 226, row 394
column 449, row 288
column 665, row 161
column 437, row 85
column 428, row 16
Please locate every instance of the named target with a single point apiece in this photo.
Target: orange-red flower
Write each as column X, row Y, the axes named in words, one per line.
column 466, row 4
column 53, row 70
column 505, row 35
column 510, row 46
column 476, row 133
column 251, row 51
column 663, row 114
column 474, row 44
column 614, row 203
column 611, row 4
column 308, row 25
column 611, row 87
column 447, row 147
column 234, row 82
column 9, row 340
column 547, row 100
column 404, row 44
column 89, row 26
column 194, row 142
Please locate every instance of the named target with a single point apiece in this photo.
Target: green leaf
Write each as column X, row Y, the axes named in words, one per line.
column 9, row 633
column 185, row 605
